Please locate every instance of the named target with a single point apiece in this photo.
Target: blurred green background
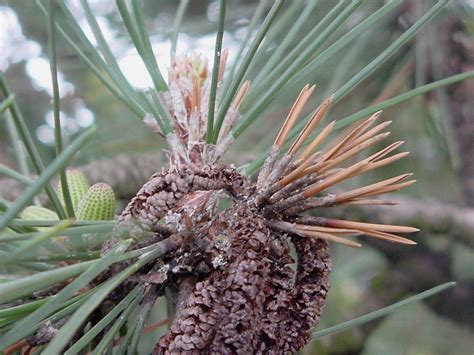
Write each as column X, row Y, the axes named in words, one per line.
column 438, row 129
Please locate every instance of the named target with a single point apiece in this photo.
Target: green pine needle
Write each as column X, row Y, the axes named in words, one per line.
column 7, row 102
column 116, row 72
column 12, row 174
column 45, row 177
column 299, row 55
column 215, row 71
column 333, row 20
column 19, row 150
column 25, row 286
column 75, row 321
column 35, row 242
column 148, row 56
column 389, row 51
column 22, row 328
column 370, row 68
column 295, row 27
column 136, row 28
column 105, row 321
column 56, row 106
column 244, row 66
column 383, row 311
column 31, row 149
column 92, row 59
column 347, row 39
column 102, row 347
column 262, row 5
column 178, row 19
column 22, row 309
column 257, row 163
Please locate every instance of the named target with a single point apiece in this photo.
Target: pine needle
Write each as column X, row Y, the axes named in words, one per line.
column 215, row 71
column 318, row 140
column 56, row 106
column 391, row 188
column 332, row 238
column 352, row 152
column 350, row 135
column 383, row 311
column 334, row 179
column 293, row 114
column 372, row 189
column 338, row 223
column 369, row 134
column 389, row 237
column 312, row 123
column 371, row 202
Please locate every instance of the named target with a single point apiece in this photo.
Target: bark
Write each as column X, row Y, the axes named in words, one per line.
column 254, row 302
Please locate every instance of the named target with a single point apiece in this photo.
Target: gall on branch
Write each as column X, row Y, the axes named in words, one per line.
column 236, row 286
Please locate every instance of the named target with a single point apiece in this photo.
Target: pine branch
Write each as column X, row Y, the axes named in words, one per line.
column 127, row 173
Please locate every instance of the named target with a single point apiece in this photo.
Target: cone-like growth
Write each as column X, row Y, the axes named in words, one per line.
column 78, row 186
column 98, row 204
column 239, row 289
column 36, row 213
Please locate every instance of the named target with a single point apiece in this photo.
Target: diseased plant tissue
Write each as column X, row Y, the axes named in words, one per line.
column 241, row 255
column 245, row 296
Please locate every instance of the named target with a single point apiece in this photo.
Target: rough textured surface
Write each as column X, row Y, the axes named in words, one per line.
column 243, row 292
column 167, row 191
column 78, row 185
column 127, row 173
column 312, row 286
column 223, row 312
column 232, row 280
column 279, row 300
column 254, row 301
column 98, row 204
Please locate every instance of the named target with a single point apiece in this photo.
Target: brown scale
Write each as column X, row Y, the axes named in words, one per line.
column 279, row 297
column 252, row 303
column 223, row 312
column 162, row 194
column 238, row 290
column 312, row 286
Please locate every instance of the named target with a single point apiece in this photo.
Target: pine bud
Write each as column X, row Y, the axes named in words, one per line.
column 78, row 186
column 36, row 213
column 98, row 204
